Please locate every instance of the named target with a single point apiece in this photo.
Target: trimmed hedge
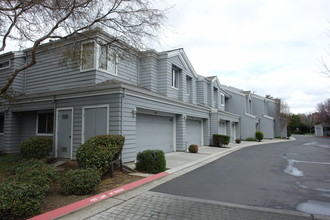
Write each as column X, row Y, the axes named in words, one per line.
column 80, row 181
column 193, row 148
column 20, row 200
column 250, row 139
column 36, row 147
column 259, row 135
column 94, row 156
column 114, row 143
column 35, row 172
column 151, row 161
column 220, row 140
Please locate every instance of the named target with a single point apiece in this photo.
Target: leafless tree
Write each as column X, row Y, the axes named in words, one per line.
column 308, row 119
column 283, row 112
column 323, row 112
column 37, row 21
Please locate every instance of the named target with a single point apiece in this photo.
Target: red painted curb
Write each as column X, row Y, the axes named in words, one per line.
column 97, row 198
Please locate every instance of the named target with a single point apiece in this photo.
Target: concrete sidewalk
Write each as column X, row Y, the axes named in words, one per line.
column 180, row 163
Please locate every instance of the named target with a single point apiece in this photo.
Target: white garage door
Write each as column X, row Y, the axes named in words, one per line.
column 194, row 132
column 154, row 132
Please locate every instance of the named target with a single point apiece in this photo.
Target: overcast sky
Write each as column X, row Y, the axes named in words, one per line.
column 266, row 46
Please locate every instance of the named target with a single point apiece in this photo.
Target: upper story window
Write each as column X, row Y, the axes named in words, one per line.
column 189, row 84
column 98, row 56
column 175, row 77
column 107, row 61
column 222, row 99
column 215, row 95
column 88, row 56
column 2, row 123
column 45, row 121
column 4, row 65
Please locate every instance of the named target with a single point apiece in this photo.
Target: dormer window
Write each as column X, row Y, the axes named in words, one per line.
column 175, row 77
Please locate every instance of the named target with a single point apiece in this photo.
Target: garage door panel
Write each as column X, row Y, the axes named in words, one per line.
column 154, row 132
column 194, row 132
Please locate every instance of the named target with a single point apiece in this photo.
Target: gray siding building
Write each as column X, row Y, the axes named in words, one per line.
column 155, row 99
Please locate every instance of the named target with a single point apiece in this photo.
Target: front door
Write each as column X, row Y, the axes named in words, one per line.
column 64, row 133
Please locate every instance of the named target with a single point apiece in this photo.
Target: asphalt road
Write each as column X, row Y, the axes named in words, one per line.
column 290, row 176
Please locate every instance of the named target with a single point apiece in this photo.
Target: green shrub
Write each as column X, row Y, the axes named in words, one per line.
column 288, row 134
column 238, row 141
column 151, row 161
column 36, row 147
column 35, row 172
column 80, row 181
column 250, row 139
column 220, row 140
column 20, row 200
column 114, row 143
column 259, row 135
column 193, row 148
column 94, row 156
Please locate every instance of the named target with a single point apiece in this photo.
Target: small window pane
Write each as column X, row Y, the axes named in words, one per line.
column 88, row 56
column 2, row 123
column 42, row 122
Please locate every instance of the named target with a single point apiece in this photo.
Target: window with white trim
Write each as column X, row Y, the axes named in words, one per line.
column 88, row 56
column 215, row 96
column 175, row 77
column 189, row 84
column 2, row 123
column 222, row 99
column 107, row 60
column 45, row 123
column 5, row 64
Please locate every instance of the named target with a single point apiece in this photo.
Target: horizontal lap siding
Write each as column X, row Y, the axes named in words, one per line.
column 48, row 74
column 164, row 81
column 148, row 74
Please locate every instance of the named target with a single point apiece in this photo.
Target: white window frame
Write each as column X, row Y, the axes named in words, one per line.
column 215, row 96
column 222, row 99
column 175, row 78
column 37, row 124
column 189, row 85
column 81, row 57
column 5, row 67
column 83, row 119
column 98, row 54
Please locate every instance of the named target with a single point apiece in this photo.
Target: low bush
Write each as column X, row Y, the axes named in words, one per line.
column 193, row 148
column 238, row 141
column 220, row 140
column 114, row 143
column 36, row 147
column 259, row 135
column 20, row 200
column 35, row 172
column 80, row 181
column 250, row 139
column 94, row 156
column 151, row 161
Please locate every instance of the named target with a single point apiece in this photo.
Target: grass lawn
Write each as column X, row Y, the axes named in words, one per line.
column 55, row 199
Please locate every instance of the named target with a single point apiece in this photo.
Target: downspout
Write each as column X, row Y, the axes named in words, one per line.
column 122, row 111
column 54, row 127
